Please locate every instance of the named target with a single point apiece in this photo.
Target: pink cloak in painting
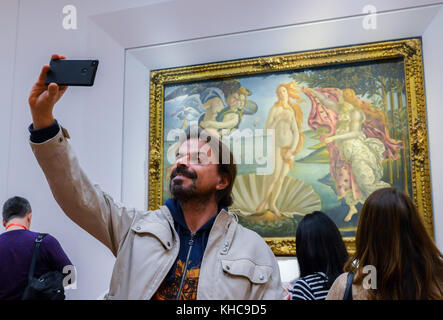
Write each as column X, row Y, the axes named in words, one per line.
column 341, row 170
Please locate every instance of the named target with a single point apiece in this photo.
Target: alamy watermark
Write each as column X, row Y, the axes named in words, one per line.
column 70, row 18
column 370, row 18
column 70, row 280
column 252, row 147
column 370, row 280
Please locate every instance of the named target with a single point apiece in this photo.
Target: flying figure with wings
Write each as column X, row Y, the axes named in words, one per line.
column 217, row 106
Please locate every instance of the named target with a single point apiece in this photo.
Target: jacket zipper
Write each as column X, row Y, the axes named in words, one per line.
column 191, row 243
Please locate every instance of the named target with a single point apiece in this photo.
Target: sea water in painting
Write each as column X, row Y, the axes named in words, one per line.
column 320, row 139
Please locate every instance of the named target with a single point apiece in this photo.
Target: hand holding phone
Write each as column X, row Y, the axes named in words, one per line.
column 72, row 72
column 42, row 98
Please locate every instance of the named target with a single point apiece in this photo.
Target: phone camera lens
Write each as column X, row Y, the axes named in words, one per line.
column 94, row 63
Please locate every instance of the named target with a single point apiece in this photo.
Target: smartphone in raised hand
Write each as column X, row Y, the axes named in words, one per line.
column 72, row 72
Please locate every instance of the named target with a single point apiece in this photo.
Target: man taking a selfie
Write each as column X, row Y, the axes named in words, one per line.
column 190, row 248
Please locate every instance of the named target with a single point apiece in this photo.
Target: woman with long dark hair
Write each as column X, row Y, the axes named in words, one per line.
column 321, row 256
column 392, row 239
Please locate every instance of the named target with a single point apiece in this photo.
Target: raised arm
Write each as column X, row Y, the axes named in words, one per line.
column 83, row 202
column 323, row 100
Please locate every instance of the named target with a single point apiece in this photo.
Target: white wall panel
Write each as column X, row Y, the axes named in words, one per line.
column 8, row 30
column 433, row 70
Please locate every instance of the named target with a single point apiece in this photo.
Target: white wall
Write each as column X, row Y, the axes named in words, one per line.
column 97, row 117
column 433, row 70
column 8, row 29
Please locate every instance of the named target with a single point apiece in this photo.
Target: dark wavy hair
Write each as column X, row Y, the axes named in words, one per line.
column 319, row 246
column 392, row 237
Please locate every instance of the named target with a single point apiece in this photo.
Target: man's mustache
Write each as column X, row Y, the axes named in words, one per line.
column 184, row 172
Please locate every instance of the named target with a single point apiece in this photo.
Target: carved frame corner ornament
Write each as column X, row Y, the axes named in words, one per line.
column 409, row 50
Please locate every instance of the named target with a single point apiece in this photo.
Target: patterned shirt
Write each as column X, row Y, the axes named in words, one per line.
column 192, row 249
column 311, row 287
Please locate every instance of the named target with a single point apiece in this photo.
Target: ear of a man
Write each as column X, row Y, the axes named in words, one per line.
column 29, row 217
column 223, row 182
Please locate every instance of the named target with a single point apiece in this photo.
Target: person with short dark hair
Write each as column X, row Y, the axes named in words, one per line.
column 321, row 255
column 17, row 247
column 393, row 249
column 192, row 247
column 16, row 208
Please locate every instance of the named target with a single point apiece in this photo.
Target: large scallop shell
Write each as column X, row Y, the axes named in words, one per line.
column 296, row 197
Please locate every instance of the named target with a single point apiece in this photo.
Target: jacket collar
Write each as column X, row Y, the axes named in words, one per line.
column 223, row 229
column 177, row 215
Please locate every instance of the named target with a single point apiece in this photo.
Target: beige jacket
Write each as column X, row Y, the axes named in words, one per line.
column 237, row 263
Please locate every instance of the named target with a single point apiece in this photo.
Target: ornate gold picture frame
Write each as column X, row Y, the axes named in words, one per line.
column 383, row 81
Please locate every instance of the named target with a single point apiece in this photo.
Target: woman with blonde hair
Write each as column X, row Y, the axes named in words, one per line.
column 284, row 118
column 392, row 240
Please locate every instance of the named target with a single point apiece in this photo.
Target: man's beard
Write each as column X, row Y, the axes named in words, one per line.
column 185, row 194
